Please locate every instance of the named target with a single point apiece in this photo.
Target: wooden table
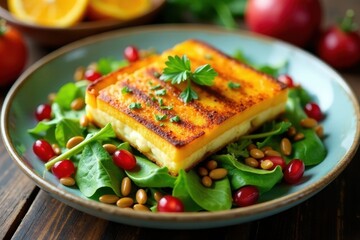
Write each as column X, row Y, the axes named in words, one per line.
column 29, row 213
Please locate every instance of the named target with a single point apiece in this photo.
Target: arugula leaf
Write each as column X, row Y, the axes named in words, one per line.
column 105, row 133
column 108, row 65
column 178, row 70
column 96, row 173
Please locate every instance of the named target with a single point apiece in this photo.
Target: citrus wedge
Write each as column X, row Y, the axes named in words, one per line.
column 54, row 13
column 117, row 9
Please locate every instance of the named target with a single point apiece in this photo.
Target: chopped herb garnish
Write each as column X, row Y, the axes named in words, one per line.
column 175, row 119
column 134, row 105
column 155, row 87
column 156, row 74
column 160, row 117
column 160, row 101
column 178, row 70
column 166, row 107
column 125, row 90
column 233, row 85
column 160, row 92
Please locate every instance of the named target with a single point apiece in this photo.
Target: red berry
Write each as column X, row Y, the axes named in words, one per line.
column 294, row 171
column 169, row 203
column 92, row 75
column 313, row 110
column 246, row 196
column 43, row 150
column 131, row 53
column 276, row 160
column 124, row 159
column 286, row 79
column 64, row 168
column 43, row 111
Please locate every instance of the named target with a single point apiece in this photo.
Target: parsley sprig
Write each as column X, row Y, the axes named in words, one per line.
column 178, row 70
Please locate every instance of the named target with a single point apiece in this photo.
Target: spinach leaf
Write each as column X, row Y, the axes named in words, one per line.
column 240, row 174
column 108, row 65
column 96, row 173
column 67, row 129
column 148, row 174
column 218, row 197
column 310, row 149
column 66, row 94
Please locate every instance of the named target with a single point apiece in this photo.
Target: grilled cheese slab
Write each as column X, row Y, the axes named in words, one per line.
column 149, row 114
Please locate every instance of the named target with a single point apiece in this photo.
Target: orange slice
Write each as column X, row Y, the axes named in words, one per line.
column 117, row 9
column 54, row 13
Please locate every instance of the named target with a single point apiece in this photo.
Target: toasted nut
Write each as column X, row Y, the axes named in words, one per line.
column 140, row 207
column 285, row 146
column 125, row 202
column 125, row 186
column 110, row 148
column 319, row 130
column 291, row 131
column 141, row 196
column 299, row 136
column 79, row 73
column 218, row 173
column 51, row 97
column 266, row 164
column 77, row 104
column 74, row 141
column 272, row 152
column 108, row 198
column 256, row 153
column 252, row 162
column 67, row 181
column 203, row 171
column 206, row 181
column 251, row 146
column 266, row 148
column 84, row 121
column 56, row 148
column 210, row 165
column 157, row 196
column 308, row 122
column 93, row 66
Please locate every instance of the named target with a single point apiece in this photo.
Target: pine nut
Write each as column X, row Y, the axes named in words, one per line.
column 252, row 162
column 256, row 153
column 272, row 152
column 67, row 181
column 110, row 148
column 56, row 148
column 74, row 141
column 319, row 130
column 108, row 198
column 210, row 165
column 51, row 97
column 308, row 122
column 218, row 173
column 266, row 164
column 206, row 181
column 77, row 104
column 140, row 207
column 266, row 148
column 285, row 146
column 125, row 186
column 291, row 131
column 251, row 146
column 157, row 196
column 141, row 196
column 299, row 136
column 79, row 73
column 125, row 202
column 202, row 171
column 84, row 121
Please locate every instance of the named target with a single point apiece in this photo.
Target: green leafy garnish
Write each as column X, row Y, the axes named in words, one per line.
column 175, row 119
column 233, row 85
column 108, row 65
column 160, row 92
column 125, row 90
column 178, row 70
column 135, row 105
column 160, row 117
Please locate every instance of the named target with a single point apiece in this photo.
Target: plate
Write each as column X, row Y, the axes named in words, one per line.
column 55, row 37
column 48, row 74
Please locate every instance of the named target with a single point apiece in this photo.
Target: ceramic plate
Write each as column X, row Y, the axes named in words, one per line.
column 48, row 74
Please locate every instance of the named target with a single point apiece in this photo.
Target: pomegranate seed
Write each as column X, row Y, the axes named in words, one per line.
column 124, row 159
column 131, row 53
column 313, row 110
column 43, row 150
column 294, row 171
column 276, row 160
column 64, row 168
column 169, row 203
column 43, row 111
column 286, row 79
column 246, row 196
column 92, row 75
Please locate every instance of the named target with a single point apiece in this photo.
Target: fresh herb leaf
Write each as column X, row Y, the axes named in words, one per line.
column 156, row 87
column 160, row 117
column 166, row 107
column 233, row 85
column 134, row 105
column 126, row 90
column 188, row 95
column 175, row 119
column 204, row 75
column 108, row 65
column 160, row 92
column 238, row 149
column 279, row 128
